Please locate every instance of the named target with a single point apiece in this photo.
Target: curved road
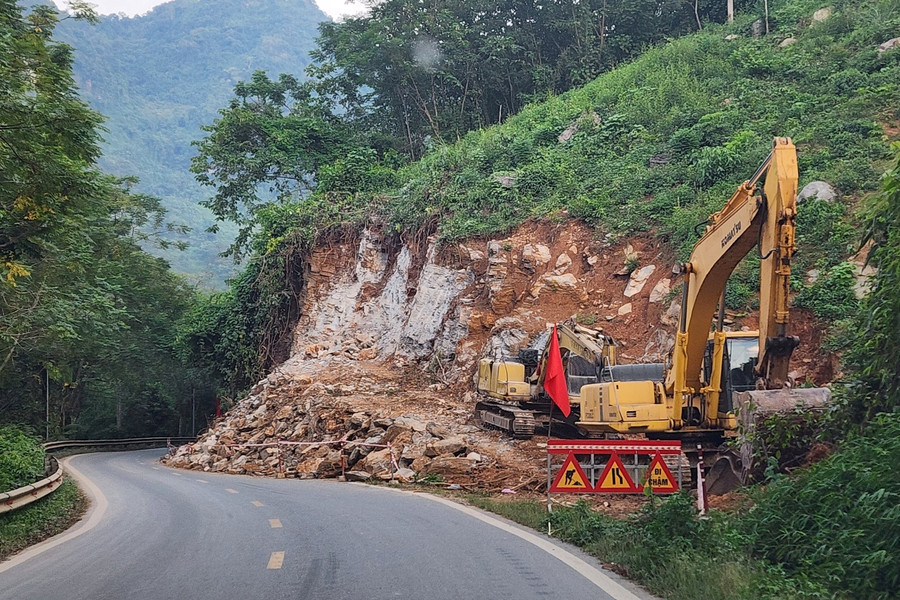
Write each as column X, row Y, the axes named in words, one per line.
column 159, row 533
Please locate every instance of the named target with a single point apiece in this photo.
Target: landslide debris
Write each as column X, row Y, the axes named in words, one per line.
column 366, row 426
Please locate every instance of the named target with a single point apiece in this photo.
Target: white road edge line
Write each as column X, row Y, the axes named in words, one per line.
column 94, row 515
column 593, row 574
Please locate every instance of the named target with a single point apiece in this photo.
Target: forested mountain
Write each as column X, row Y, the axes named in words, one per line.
column 159, row 77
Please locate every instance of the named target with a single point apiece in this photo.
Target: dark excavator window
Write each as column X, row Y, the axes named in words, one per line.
column 579, row 372
column 738, row 366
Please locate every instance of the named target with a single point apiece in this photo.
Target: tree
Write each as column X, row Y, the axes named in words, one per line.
column 266, row 148
column 87, row 318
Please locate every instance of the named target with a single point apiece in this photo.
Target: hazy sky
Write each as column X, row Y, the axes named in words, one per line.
column 332, row 8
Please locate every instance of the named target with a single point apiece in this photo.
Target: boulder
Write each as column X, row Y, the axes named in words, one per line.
column 357, row 475
column 451, row 445
column 377, row 462
column 405, row 475
column 535, row 255
column 660, row 290
column 450, row 466
column 891, row 44
column 638, row 279
column 818, row 189
column 822, row 14
column 438, row 431
column 565, row 281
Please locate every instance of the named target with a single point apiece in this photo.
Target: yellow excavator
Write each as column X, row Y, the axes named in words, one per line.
column 690, row 402
column 515, row 401
column 712, row 375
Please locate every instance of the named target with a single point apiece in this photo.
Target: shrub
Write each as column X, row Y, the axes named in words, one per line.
column 21, row 459
column 831, row 297
column 839, row 522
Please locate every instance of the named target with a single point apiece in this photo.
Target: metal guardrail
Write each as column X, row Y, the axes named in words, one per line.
column 25, row 495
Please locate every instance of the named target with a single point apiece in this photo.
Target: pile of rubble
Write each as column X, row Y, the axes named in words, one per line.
column 292, row 427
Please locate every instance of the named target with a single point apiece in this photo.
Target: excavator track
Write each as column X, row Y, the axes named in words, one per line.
column 517, row 422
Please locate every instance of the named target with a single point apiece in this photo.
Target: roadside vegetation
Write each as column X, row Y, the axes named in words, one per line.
column 40, row 520
column 87, row 318
column 22, row 463
column 829, row 531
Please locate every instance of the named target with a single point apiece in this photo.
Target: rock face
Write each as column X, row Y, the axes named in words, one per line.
column 403, row 312
column 380, row 380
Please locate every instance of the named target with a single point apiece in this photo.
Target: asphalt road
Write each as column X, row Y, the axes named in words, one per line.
column 161, row 533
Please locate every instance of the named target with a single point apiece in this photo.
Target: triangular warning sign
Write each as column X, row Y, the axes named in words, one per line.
column 571, row 477
column 615, row 477
column 659, row 478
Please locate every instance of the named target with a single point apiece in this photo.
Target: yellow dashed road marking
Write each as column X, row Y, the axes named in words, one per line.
column 256, row 503
column 276, row 560
column 231, row 491
column 274, row 523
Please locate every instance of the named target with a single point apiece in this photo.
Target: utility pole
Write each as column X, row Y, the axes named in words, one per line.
column 731, row 11
column 47, row 379
column 193, row 414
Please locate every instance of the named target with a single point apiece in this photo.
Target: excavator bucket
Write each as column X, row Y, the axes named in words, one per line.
column 730, row 471
column 763, row 403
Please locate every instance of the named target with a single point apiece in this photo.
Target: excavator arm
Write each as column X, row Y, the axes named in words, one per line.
column 766, row 221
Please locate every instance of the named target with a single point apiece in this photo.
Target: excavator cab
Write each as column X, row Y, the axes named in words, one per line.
column 739, row 358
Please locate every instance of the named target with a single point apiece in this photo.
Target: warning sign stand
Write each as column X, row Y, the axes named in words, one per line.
column 612, row 466
column 615, row 477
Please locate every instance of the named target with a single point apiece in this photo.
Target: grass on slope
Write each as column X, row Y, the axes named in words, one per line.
column 40, row 520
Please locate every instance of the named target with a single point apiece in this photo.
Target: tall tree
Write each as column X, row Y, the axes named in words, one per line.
column 87, row 319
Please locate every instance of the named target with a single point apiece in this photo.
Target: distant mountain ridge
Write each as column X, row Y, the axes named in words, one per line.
column 159, row 77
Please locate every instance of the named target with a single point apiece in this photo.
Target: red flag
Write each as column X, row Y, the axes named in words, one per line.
column 555, row 378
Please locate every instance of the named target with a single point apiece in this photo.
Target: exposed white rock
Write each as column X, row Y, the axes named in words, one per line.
column 891, row 44
column 536, row 254
column 788, row 41
column 822, row 14
column 625, row 309
column 660, row 290
column 638, row 280
column 818, row 189
column 565, row 281
column 563, row 262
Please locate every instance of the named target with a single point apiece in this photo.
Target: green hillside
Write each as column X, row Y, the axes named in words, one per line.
column 159, row 77
column 705, row 107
